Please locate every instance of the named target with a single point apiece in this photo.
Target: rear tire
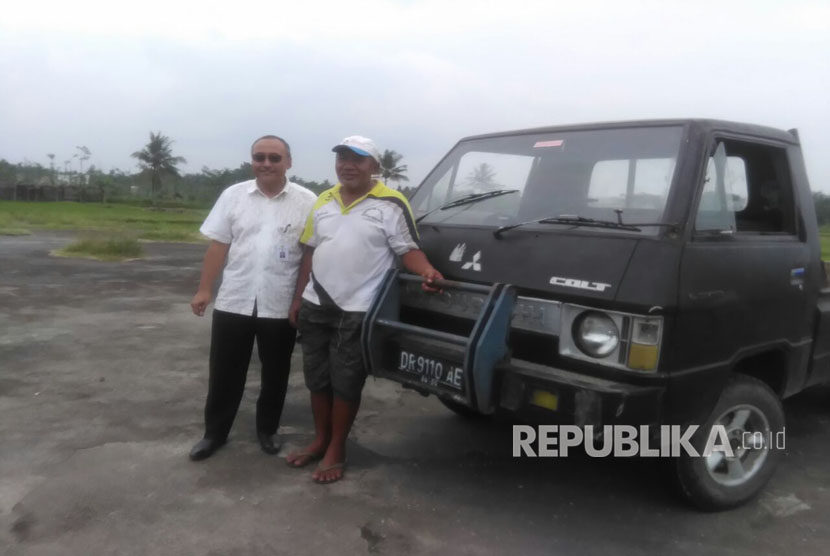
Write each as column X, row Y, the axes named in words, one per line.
column 746, row 407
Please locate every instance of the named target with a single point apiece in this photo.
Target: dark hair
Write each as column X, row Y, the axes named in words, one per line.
column 284, row 142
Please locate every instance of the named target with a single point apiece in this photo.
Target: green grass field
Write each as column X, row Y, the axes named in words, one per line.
column 156, row 224
column 824, row 236
column 162, row 224
column 104, row 248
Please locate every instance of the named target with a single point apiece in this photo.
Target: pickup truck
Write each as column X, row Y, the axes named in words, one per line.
column 642, row 273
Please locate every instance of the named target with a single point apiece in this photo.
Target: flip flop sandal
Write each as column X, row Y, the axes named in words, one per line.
column 341, row 465
column 304, row 457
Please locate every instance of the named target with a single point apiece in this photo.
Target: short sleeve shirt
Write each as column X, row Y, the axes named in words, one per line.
column 354, row 246
column 264, row 254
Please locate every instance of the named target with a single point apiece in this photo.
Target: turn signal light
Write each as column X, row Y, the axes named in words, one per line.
column 642, row 358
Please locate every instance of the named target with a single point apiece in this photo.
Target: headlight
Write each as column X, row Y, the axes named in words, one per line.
column 595, row 334
column 611, row 338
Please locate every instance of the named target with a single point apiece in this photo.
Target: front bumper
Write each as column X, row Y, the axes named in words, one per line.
column 541, row 393
column 475, row 369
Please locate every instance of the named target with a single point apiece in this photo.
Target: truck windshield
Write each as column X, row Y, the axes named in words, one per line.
column 591, row 174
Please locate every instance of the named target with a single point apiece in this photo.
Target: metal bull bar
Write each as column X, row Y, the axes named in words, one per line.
column 449, row 365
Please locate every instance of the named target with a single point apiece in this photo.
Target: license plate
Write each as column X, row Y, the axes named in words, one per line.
column 430, row 370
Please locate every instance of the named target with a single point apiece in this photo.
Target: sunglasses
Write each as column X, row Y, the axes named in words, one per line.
column 272, row 158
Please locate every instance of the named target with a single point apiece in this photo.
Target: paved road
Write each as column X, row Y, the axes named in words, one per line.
column 102, row 380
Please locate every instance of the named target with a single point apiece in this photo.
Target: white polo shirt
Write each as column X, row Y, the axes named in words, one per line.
column 354, row 246
column 264, row 255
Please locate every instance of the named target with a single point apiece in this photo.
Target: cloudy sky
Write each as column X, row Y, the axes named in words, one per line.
column 414, row 75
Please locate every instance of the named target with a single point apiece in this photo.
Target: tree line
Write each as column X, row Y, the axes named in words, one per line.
column 158, row 177
column 822, row 203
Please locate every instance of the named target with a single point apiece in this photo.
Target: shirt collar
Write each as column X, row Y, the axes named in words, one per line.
column 254, row 188
column 376, row 191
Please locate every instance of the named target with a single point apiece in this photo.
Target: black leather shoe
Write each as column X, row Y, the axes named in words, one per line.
column 204, row 448
column 270, row 443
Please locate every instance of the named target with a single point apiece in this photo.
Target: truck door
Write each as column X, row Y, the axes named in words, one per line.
column 744, row 269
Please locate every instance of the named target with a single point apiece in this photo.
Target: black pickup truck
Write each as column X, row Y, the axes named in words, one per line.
column 639, row 273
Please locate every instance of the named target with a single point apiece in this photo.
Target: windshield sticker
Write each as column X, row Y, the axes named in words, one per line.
column 457, row 254
column 543, row 144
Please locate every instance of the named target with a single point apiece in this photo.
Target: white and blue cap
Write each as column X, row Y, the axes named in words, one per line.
column 360, row 145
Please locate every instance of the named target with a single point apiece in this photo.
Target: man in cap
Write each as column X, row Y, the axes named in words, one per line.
column 254, row 225
column 353, row 235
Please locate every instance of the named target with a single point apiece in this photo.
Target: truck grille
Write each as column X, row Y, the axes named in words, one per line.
column 534, row 331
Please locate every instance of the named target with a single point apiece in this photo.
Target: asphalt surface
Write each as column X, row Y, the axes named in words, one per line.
column 102, row 384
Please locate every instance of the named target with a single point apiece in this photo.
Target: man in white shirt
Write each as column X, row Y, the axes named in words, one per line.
column 355, row 233
column 254, row 226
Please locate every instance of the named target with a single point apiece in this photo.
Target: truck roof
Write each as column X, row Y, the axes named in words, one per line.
column 703, row 125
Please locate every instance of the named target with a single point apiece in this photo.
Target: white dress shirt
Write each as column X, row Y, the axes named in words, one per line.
column 264, row 255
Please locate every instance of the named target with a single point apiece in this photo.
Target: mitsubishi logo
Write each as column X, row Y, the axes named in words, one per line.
column 457, row 254
column 474, row 264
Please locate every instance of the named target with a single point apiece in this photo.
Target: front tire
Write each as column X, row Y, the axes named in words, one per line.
column 751, row 414
column 461, row 409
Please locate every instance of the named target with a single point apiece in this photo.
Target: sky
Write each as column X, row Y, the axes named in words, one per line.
column 415, row 76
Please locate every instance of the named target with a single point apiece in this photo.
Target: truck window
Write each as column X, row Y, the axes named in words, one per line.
column 480, row 172
column 746, row 190
column 441, row 192
column 588, row 173
column 630, row 184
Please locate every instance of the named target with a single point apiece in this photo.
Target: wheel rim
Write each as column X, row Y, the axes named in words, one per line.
column 748, row 431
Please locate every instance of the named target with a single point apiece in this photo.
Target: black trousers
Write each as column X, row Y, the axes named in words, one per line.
column 231, row 344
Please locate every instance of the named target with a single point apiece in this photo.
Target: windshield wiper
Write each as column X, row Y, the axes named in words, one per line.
column 574, row 220
column 467, row 199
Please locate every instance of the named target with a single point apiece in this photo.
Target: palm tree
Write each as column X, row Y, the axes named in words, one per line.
column 83, row 154
column 482, row 178
column 389, row 168
column 157, row 159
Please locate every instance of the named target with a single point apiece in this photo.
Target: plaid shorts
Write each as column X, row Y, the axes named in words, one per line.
column 332, row 357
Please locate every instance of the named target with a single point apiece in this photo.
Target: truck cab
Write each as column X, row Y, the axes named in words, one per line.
column 641, row 273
